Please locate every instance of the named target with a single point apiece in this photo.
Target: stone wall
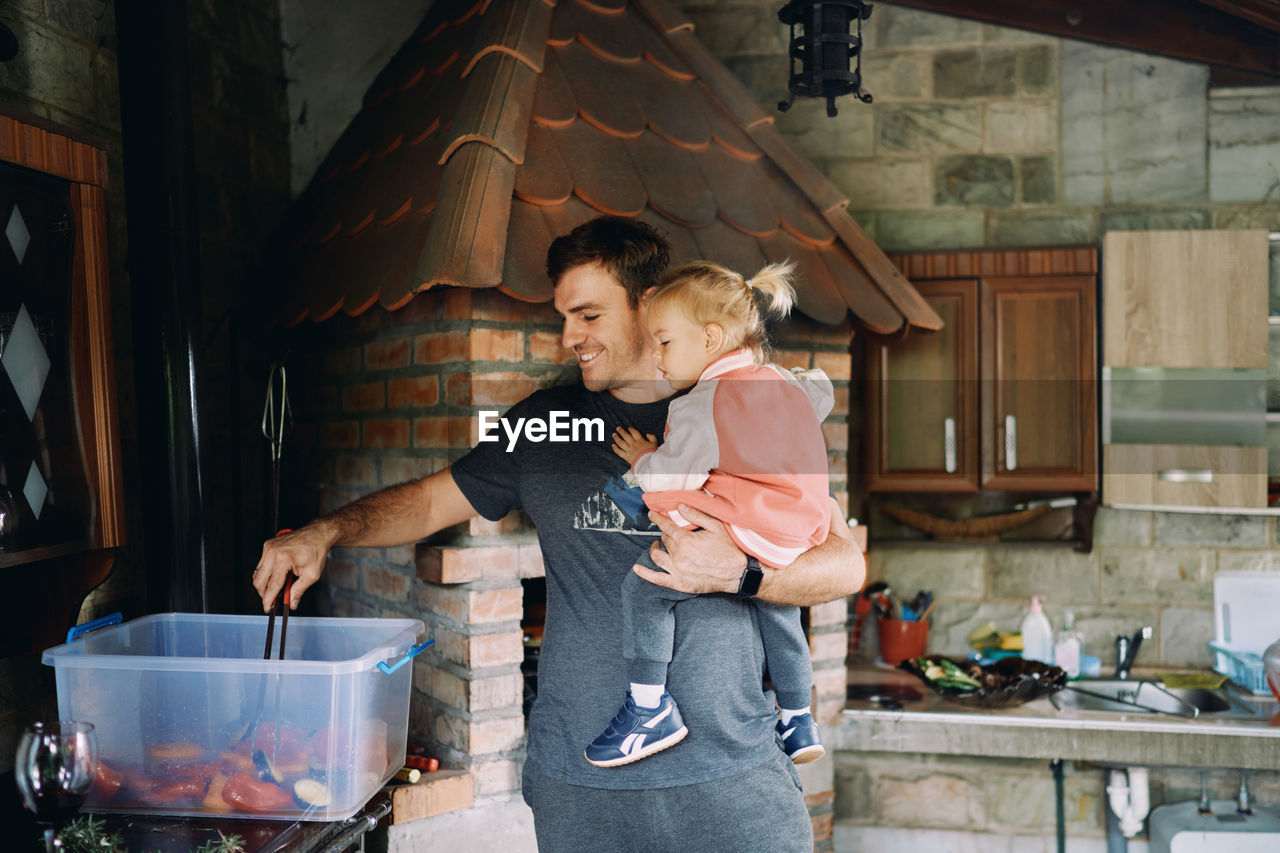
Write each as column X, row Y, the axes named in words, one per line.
column 982, row 136
column 889, row 801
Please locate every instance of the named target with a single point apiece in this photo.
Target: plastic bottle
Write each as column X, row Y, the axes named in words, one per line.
column 1067, row 646
column 1037, row 633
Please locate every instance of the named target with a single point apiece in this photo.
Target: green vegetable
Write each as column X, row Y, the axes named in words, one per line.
column 943, row 673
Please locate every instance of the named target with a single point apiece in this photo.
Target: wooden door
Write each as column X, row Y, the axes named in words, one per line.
column 1039, row 389
column 922, row 400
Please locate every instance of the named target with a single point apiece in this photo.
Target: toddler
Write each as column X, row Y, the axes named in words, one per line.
column 745, row 445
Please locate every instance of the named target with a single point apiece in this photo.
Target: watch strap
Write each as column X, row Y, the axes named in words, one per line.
column 752, row 575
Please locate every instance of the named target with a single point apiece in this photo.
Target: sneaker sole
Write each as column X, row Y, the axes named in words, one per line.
column 669, row 741
column 809, row 753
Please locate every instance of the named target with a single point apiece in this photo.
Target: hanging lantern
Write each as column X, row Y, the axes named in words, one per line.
column 821, row 49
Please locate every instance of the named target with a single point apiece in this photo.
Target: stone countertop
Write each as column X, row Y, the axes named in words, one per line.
column 1038, row 730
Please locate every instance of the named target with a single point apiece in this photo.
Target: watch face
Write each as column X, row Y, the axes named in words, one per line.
column 752, row 575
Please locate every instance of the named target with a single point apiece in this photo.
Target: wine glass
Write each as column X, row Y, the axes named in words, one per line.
column 55, row 767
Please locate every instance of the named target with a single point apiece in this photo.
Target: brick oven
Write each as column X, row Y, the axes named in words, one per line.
column 411, row 291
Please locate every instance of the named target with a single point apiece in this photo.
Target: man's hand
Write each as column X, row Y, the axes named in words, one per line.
column 303, row 552
column 630, row 443
column 697, row 561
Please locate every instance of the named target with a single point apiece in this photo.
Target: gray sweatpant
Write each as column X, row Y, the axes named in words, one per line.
column 760, row 810
column 649, row 627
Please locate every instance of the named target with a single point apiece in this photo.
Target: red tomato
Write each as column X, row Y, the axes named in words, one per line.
column 248, row 794
column 105, row 783
column 165, row 794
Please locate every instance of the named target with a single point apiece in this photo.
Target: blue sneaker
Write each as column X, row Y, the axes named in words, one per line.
column 637, row 733
column 801, row 740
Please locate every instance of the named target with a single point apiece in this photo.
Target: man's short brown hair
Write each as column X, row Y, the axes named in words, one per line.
column 634, row 252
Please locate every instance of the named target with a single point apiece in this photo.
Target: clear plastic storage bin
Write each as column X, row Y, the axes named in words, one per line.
column 192, row 721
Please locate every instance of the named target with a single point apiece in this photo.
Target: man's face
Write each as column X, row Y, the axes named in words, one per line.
column 606, row 334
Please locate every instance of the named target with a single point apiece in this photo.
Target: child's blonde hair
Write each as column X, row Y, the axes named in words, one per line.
column 709, row 293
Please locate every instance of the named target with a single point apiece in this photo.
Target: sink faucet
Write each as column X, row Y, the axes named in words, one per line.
column 1127, row 650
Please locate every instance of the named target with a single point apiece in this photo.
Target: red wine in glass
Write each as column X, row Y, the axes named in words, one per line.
column 54, row 766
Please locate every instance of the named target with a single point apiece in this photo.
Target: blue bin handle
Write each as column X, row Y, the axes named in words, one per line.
column 410, row 655
column 89, row 627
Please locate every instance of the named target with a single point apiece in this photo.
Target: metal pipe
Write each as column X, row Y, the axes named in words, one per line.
column 164, row 272
column 1059, row 803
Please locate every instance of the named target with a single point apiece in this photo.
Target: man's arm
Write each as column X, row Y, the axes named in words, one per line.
column 396, row 515
column 706, row 560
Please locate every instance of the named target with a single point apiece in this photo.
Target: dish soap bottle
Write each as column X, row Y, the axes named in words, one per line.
column 1066, row 646
column 1037, row 633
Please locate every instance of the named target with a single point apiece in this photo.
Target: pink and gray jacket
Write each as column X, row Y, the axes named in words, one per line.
column 745, row 445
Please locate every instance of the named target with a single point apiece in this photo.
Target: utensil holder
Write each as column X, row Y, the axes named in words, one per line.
column 900, row 640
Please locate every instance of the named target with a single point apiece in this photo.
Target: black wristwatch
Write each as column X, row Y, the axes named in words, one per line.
column 751, row 577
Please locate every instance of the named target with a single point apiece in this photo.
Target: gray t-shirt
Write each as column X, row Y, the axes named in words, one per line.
column 588, row 546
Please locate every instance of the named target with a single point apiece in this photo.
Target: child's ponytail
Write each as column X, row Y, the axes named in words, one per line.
column 775, row 282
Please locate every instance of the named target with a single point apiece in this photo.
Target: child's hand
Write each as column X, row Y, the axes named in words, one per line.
column 630, row 443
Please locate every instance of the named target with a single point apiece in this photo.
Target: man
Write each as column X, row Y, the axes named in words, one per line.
column 729, row 786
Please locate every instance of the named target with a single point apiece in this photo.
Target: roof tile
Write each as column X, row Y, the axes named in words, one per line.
column 404, row 248
column 554, row 105
column 524, row 274
column 593, row 158
column 729, row 135
column 604, row 6
column 717, row 78
column 563, row 218
column 683, row 247
column 609, row 35
column 860, row 293
column 446, row 179
column 660, row 55
column 545, row 178
column 726, row 245
column 742, row 197
column 665, row 101
column 673, row 181
column 609, row 109
column 817, row 296
column 664, row 17
column 499, row 113
column 465, row 247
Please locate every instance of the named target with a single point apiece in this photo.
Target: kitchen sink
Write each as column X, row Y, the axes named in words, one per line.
column 1133, row 696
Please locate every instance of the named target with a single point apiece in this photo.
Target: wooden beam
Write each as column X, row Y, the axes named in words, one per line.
column 1264, row 13
column 1181, row 29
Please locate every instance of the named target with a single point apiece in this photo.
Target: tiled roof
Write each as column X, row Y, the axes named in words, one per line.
column 503, row 123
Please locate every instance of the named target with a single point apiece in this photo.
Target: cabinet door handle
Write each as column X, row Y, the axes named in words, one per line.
column 1186, row 475
column 1010, row 443
column 949, row 444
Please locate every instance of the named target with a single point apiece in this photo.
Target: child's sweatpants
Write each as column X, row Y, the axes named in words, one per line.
column 649, row 626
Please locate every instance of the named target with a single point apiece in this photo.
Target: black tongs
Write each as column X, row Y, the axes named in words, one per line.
column 281, row 604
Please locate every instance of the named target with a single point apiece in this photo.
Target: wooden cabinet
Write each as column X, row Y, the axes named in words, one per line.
column 1004, row 397
column 1185, row 299
column 922, row 399
column 1185, row 309
column 60, row 459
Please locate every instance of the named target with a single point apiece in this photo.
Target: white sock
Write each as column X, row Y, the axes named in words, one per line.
column 788, row 713
column 647, row 695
